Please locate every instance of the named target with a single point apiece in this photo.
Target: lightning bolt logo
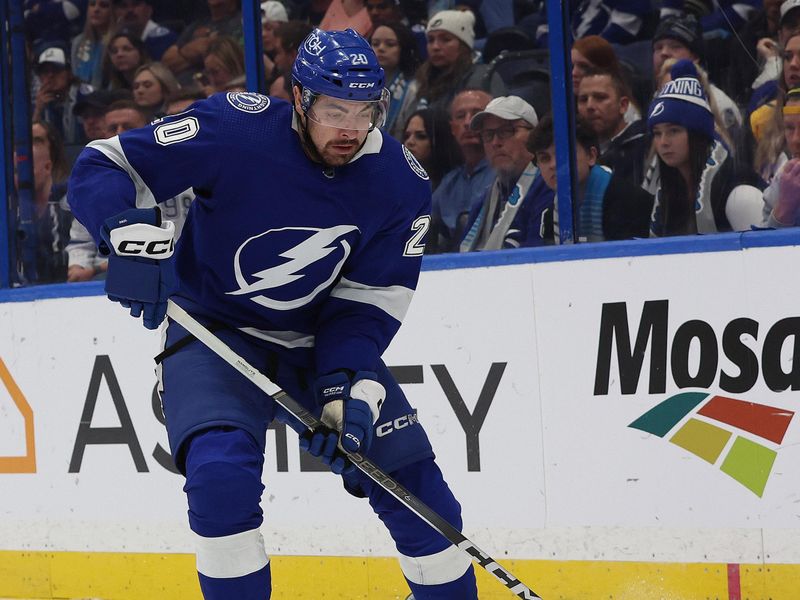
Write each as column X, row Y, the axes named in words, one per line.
column 313, row 249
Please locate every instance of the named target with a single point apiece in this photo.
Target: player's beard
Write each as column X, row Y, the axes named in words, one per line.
column 334, row 154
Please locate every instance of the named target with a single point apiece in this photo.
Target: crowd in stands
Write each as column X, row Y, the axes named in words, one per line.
column 687, row 111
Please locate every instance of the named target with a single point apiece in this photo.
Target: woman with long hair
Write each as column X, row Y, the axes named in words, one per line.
column 223, row 62
column 697, row 185
column 124, row 54
column 451, row 66
column 89, row 46
column 427, row 136
column 153, row 83
column 397, row 53
column 781, row 198
column 766, row 122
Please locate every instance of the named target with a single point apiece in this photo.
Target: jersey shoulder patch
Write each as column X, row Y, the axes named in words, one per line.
column 414, row 164
column 248, row 102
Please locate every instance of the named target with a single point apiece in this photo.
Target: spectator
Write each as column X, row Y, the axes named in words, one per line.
column 153, row 83
column 665, row 76
column 57, row 95
column 603, row 100
column 386, row 12
column 51, row 216
column 609, row 206
column 182, row 99
column 125, row 54
column 396, row 50
column 124, row 115
column 591, row 52
column 382, row 12
column 428, row 138
column 89, row 46
column 134, row 16
column 91, row 111
column 223, row 63
column 682, row 38
column 767, row 121
column 757, row 38
column 450, row 67
column 454, row 197
column 696, row 183
column 595, row 53
column 273, row 13
column 51, row 22
column 288, row 37
column 782, row 197
column 185, row 57
column 512, row 210
column 789, row 19
column 347, row 14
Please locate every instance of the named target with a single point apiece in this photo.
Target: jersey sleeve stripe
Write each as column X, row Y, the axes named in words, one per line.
column 112, row 150
column 393, row 300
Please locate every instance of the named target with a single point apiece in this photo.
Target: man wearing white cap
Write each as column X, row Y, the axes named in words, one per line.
column 509, row 213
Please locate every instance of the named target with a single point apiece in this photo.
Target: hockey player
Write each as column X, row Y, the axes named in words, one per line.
column 302, row 250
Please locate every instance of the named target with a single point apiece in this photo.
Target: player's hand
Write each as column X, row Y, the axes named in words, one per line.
column 351, row 407
column 323, row 443
column 767, row 48
column 140, row 275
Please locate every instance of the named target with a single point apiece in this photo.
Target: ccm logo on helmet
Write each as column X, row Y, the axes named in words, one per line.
column 151, row 248
column 362, row 85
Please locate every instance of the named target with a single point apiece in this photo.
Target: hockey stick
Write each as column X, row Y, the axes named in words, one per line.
column 371, row 470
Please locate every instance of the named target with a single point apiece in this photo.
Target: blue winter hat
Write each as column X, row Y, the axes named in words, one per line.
column 683, row 101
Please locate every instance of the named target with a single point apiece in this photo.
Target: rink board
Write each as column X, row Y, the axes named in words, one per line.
column 669, row 473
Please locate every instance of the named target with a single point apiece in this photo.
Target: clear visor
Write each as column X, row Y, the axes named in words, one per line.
column 349, row 114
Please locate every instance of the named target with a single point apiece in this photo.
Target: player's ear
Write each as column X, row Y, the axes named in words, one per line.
column 297, row 95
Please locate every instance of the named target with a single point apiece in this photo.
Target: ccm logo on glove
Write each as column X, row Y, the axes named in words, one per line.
column 142, row 239
column 336, row 390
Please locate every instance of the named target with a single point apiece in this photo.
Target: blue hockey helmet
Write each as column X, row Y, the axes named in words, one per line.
column 340, row 64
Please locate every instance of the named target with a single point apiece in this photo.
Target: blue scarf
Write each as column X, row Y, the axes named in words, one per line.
column 590, row 215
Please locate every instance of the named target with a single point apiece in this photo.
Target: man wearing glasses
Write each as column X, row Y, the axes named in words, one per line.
column 506, row 216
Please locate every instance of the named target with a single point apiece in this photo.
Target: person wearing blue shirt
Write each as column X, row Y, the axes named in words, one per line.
column 302, row 249
column 465, row 184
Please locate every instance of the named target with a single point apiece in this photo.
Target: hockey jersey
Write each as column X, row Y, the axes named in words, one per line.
column 318, row 264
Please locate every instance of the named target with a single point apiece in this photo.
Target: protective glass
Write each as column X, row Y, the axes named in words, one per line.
column 349, row 114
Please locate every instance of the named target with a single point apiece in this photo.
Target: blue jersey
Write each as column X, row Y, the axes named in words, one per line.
column 317, row 264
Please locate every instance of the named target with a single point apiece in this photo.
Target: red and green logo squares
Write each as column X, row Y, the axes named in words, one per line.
column 747, row 461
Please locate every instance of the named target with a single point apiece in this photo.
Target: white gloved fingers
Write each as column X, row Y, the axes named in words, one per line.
column 371, row 392
column 333, row 414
